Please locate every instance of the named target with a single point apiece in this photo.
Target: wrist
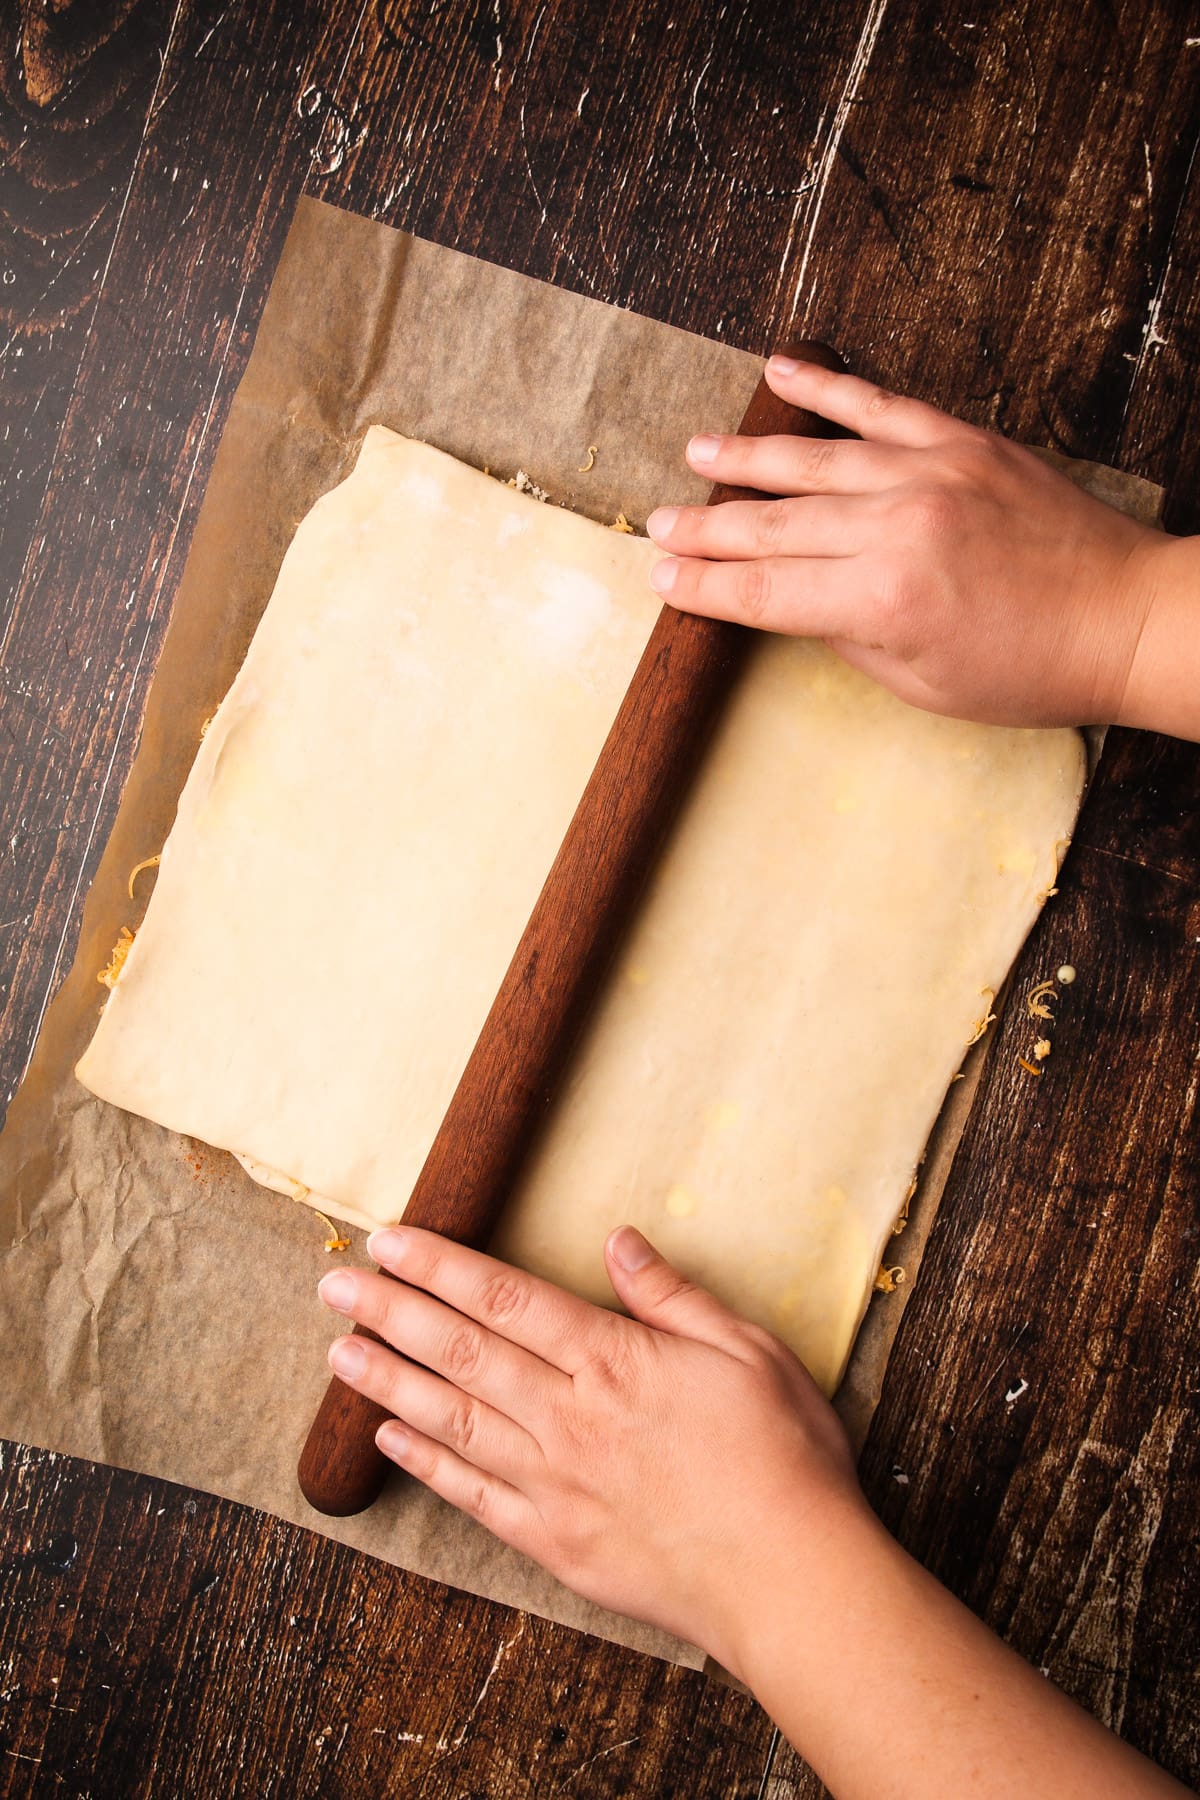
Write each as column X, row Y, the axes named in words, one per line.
column 1161, row 691
column 806, row 1576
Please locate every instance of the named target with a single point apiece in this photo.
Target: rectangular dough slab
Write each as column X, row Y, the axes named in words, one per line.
column 370, row 818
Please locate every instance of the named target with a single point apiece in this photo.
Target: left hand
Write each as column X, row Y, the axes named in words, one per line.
column 661, row 1465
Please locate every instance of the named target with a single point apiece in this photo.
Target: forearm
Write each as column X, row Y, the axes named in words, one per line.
column 893, row 1690
column 1163, row 689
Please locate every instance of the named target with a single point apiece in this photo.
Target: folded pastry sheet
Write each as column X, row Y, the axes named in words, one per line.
column 370, row 818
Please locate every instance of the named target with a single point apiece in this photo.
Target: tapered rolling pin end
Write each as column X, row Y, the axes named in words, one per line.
column 341, row 1470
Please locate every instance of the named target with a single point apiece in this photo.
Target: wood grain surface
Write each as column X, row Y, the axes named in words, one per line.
column 996, row 207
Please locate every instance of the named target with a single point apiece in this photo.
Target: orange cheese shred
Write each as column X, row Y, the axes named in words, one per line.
column 116, row 962
column 147, row 862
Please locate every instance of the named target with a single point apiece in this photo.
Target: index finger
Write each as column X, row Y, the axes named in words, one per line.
column 871, row 411
column 527, row 1311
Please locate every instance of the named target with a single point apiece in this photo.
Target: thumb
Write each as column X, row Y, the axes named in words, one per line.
column 657, row 1294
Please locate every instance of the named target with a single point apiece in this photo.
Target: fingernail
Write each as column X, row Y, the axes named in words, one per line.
column 630, row 1251
column 347, row 1356
column 783, row 365
column 662, row 520
column 392, row 1439
column 703, row 449
column 386, row 1246
column 664, row 575
column 337, row 1291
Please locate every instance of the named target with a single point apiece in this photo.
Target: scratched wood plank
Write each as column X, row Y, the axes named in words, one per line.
column 1012, row 180
column 964, row 216
column 154, row 1641
column 73, row 100
column 621, row 151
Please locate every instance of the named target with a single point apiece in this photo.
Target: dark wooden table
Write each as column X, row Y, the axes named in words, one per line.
column 996, row 206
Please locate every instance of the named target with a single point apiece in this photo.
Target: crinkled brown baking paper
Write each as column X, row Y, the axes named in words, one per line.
column 158, row 1306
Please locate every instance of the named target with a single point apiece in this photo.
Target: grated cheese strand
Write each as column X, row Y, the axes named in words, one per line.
column 147, row 862
column 888, row 1280
column 116, row 962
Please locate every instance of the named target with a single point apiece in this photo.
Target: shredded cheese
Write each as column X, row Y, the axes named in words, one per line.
column 1036, row 1001
column 888, row 1280
column 621, row 523
column 902, row 1215
column 587, row 467
column 335, row 1240
column 147, row 862
column 524, row 485
column 1030, row 1068
column 989, row 1017
column 116, row 962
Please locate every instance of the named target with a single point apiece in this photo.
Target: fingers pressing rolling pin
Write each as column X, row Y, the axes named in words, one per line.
column 960, row 570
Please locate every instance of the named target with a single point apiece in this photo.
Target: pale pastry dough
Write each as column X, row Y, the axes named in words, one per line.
column 368, row 823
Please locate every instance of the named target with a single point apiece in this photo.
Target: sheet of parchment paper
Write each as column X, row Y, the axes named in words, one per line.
column 158, row 1306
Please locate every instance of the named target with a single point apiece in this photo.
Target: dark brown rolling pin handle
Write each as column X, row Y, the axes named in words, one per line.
column 685, row 674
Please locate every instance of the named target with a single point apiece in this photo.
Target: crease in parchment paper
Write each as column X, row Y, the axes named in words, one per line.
column 159, row 1306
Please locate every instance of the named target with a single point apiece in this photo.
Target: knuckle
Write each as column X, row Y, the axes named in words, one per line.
column 581, row 1433
column 462, row 1424
column 894, row 610
column 970, row 462
column 476, row 1501
column 607, row 1365
column 819, row 459
column 752, row 590
column 674, row 1288
column 579, row 1542
column 762, row 1346
column 502, row 1298
column 462, row 1354
column 422, row 1258
column 771, row 519
column 878, row 401
column 930, row 512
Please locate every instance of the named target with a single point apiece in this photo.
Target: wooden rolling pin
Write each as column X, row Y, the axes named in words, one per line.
column 686, row 671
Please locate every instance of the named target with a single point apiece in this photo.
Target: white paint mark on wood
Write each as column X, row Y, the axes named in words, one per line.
column 1152, row 337
column 811, row 198
column 1098, row 1624
column 610, row 1750
column 505, row 1645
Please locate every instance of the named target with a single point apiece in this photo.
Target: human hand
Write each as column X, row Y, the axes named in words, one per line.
column 680, row 1467
column 956, row 568
column 668, row 1465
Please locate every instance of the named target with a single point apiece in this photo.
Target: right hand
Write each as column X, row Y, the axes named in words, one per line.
column 957, row 569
